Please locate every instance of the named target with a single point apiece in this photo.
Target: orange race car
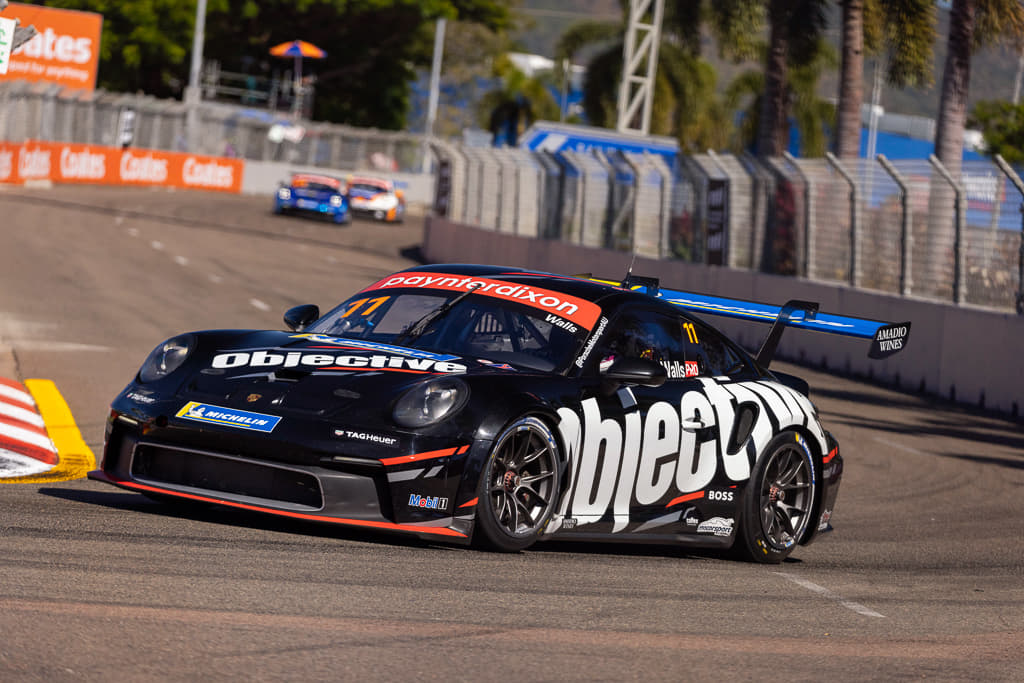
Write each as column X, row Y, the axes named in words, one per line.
column 376, row 197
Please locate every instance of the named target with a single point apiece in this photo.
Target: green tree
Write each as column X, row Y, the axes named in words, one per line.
column 972, row 24
column 1002, row 125
column 685, row 102
column 905, row 30
column 373, row 46
column 146, row 43
column 795, row 29
column 812, row 115
column 519, row 101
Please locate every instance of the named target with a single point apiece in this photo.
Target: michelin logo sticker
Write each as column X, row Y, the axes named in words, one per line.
column 228, row 417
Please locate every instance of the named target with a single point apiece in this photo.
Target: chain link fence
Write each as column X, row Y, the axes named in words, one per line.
column 45, row 112
column 904, row 227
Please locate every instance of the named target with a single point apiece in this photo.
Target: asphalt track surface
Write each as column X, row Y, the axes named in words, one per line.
column 922, row 578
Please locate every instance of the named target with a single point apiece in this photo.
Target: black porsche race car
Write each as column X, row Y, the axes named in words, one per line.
column 498, row 406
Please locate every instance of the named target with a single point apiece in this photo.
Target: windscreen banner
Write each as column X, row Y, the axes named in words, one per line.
column 65, row 50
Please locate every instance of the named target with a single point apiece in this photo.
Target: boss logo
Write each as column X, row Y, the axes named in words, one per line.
column 720, row 496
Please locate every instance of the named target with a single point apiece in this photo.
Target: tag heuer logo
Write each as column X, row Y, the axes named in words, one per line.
column 252, row 398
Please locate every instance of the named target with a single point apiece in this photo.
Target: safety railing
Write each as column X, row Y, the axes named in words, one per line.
column 49, row 113
column 902, row 226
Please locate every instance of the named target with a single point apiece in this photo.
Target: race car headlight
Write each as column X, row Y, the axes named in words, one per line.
column 336, row 200
column 166, row 358
column 284, row 193
column 431, row 402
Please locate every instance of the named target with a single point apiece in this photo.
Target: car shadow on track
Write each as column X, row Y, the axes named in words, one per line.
column 225, row 516
column 213, row 514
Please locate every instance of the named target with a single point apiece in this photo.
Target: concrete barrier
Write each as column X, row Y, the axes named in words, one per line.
column 965, row 354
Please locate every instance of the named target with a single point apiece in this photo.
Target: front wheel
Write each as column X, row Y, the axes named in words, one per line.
column 518, row 486
column 779, row 501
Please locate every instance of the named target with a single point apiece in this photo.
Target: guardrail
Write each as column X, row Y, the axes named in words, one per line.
column 903, row 226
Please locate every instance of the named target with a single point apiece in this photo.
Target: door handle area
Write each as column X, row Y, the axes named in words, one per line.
column 692, row 424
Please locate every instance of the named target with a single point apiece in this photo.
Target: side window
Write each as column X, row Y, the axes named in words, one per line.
column 646, row 334
column 713, row 355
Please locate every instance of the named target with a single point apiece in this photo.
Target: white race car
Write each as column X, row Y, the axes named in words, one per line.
column 376, row 197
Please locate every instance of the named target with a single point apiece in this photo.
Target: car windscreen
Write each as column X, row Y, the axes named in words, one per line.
column 316, row 187
column 478, row 327
column 366, row 188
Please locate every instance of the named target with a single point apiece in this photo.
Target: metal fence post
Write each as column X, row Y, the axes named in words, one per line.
column 906, row 224
column 854, row 219
column 808, row 245
column 960, row 217
column 1015, row 179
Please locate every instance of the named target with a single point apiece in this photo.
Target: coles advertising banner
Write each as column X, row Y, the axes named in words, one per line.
column 62, row 162
column 66, row 50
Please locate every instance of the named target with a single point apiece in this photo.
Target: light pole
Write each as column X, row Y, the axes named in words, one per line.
column 435, row 85
column 193, row 91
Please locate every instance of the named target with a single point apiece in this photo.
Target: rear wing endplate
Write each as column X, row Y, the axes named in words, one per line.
column 886, row 338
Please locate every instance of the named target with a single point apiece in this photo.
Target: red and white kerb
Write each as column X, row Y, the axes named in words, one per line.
column 25, row 447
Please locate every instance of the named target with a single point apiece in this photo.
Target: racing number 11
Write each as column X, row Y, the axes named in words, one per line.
column 373, row 304
column 691, row 333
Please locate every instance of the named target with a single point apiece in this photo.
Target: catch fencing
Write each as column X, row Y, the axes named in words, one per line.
column 903, row 226
column 49, row 113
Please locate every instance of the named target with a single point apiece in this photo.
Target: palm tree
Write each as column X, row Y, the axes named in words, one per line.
column 813, row 115
column 905, row 29
column 851, row 79
column 795, row 31
column 685, row 104
column 519, row 102
column 972, row 24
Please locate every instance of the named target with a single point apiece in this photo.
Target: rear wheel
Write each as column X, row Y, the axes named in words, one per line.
column 518, row 486
column 779, row 501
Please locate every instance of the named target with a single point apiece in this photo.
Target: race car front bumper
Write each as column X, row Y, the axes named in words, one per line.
column 419, row 493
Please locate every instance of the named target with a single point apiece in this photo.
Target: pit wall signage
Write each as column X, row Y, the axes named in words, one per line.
column 61, row 162
column 65, row 50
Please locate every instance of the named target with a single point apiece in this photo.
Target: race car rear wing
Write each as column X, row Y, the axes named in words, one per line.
column 886, row 338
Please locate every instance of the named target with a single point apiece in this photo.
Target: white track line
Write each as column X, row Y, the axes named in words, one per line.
column 899, row 447
column 821, row 590
column 256, row 303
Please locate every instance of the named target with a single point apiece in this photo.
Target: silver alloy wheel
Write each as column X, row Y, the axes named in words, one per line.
column 787, row 496
column 521, row 478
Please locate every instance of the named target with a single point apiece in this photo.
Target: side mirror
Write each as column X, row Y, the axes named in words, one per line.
column 299, row 317
column 635, row 371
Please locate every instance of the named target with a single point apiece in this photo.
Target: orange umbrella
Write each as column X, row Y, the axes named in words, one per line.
column 298, row 49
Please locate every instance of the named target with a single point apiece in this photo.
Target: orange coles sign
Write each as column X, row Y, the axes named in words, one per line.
column 66, row 50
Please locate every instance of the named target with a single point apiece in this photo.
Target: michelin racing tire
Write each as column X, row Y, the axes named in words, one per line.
column 779, row 501
column 518, row 487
